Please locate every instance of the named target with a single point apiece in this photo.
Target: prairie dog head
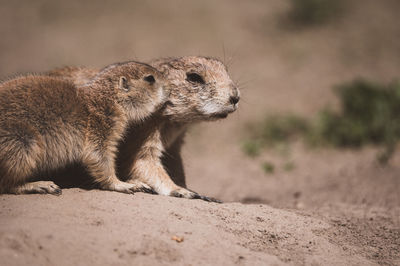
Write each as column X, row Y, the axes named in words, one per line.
column 199, row 88
column 137, row 87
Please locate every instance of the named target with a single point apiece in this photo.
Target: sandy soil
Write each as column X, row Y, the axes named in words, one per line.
column 336, row 207
column 103, row 228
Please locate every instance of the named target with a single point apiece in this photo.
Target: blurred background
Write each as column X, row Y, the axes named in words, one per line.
column 317, row 124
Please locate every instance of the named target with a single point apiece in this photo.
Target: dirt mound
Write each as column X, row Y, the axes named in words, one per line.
column 104, row 228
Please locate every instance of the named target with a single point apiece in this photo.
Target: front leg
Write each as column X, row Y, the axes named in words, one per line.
column 148, row 169
column 100, row 165
column 172, row 162
column 152, row 172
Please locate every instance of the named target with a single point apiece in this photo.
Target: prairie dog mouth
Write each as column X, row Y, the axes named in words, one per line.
column 220, row 115
column 225, row 111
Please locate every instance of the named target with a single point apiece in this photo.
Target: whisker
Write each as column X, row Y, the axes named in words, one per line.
column 223, row 49
column 230, row 62
column 245, row 84
column 244, row 88
column 244, row 101
column 232, row 59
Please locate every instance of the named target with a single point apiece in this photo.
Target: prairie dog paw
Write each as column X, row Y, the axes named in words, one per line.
column 142, row 187
column 120, row 186
column 185, row 193
column 39, row 187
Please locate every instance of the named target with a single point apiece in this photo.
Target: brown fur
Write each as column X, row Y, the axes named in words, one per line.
column 151, row 152
column 48, row 122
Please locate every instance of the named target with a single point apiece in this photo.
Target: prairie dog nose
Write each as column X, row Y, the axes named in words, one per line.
column 234, row 99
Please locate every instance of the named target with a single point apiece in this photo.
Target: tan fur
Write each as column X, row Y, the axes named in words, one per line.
column 150, row 153
column 79, row 75
column 48, row 122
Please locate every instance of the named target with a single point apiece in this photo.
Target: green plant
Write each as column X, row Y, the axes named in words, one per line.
column 275, row 132
column 308, row 12
column 370, row 114
column 268, row 167
column 282, row 128
column 251, row 147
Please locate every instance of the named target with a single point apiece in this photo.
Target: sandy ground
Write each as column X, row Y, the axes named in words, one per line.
column 103, row 228
column 335, row 207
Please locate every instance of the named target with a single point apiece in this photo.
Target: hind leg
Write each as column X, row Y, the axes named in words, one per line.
column 19, row 155
column 39, row 187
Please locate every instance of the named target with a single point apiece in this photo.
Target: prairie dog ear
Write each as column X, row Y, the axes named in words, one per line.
column 123, row 84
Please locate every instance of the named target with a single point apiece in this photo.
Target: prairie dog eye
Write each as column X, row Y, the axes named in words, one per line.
column 150, row 79
column 194, row 78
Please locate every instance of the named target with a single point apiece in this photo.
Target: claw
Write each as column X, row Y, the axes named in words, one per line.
column 189, row 194
column 196, row 196
column 129, row 191
column 57, row 192
column 139, row 186
column 148, row 190
column 210, row 199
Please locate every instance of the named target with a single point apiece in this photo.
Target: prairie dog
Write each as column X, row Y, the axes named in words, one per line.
column 47, row 122
column 199, row 89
